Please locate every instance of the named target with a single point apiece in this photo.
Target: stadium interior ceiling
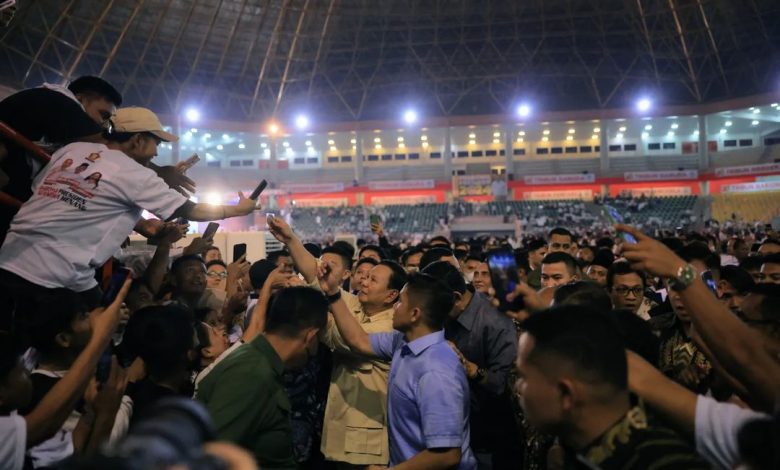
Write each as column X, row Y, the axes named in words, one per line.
column 356, row 60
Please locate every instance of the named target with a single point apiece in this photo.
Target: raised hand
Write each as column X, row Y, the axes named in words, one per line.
column 176, row 179
column 650, row 255
column 280, row 229
column 329, row 283
column 197, row 246
column 105, row 320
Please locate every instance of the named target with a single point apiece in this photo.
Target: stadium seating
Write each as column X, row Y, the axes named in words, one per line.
column 746, row 207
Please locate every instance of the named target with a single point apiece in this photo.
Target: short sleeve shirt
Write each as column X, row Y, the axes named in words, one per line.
column 84, row 204
column 13, row 440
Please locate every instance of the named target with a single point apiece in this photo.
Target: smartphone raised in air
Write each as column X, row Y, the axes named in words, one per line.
column 239, row 250
column 616, row 217
column 258, row 190
column 211, row 229
column 503, row 274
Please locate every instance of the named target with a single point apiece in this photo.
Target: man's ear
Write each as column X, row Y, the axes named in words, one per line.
column 62, row 339
column 567, row 391
column 415, row 315
column 347, row 274
column 392, row 296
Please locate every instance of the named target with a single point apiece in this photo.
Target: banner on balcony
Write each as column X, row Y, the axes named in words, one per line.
column 560, row 179
column 396, row 185
column 661, row 175
column 761, row 169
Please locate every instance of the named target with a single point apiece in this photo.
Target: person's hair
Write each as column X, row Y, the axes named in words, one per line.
column 673, row 243
column 398, row 275
column 376, row 248
column 622, row 268
column 589, row 248
column 162, row 336
column 739, row 242
column 603, row 257
column 475, row 257
column 316, row 250
column 52, row 313
column 409, row 252
column 561, row 257
column 295, row 309
column 460, row 254
column 346, row 259
column 212, row 248
column 637, row 334
column 94, row 86
column 179, row 262
column 345, row 246
column 440, row 238
column 216, row 262
column 536, row 243
column 259, row 272
column 752, row 263
column 434, row 254
column 739, row 279
column 432, row 296
column 560, row 231
column 772, row 258
column 584, row 293
column 447, row 274
column 701, row 252
column 589, row 341
column 370, row 261
column 605, row 242
column 275, row 255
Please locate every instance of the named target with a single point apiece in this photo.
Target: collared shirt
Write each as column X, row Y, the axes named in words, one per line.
column 428, row 398
column 633, row 443
column 355, row 424
column 716, row 429
column 245, row 398
column 679, row 355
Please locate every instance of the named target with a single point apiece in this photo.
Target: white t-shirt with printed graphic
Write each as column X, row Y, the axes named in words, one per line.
column 84, row 204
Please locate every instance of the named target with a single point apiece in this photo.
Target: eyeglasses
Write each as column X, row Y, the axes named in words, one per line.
column 624, row 291
column 218, row 275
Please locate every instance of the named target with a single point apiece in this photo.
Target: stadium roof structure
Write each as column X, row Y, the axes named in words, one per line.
column 350, row 60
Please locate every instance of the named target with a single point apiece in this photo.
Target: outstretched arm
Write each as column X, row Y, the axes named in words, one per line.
column 350, row 330
column 737, row 347
column 304, row 261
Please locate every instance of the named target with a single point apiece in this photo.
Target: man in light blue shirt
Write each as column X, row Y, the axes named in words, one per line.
column 428, row 394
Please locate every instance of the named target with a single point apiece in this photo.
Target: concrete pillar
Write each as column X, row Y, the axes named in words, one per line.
column 604, row 150
column 704, row 152
column 359, row 173
column 446, row 154
column 508, row 156
column 176, row 147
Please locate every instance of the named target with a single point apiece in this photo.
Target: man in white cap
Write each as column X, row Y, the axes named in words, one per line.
column 84, row 205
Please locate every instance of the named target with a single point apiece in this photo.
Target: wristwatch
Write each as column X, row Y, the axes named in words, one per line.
column 334, row 298
column 685, row 277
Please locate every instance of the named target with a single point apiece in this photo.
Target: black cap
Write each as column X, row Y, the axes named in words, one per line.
column 259, row 272
column 90, row 84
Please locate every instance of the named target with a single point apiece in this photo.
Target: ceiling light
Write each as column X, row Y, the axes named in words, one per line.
column 496, row 134
column 424, row 138
column 754, row 123
column 569, row 137
column 572, row 131
column 192, row 114
column 523, row 110
column 622, row 129
column 194, row 130
column 286, row 144
column 594, row 137
column 644, row 104
column 619, row 136
column 546, row 132
column 648, row 127
column 352, row 141
column 756, row 111
column 472, row 136
column 596, row 130
column 333, row 149
column 241, row 146
column 207, row 135
column 728, row 123
column 263, row 145
column 410, row 116
column 273, row 128
column 220, row 147
column 675, row 125
column 400, row 139
column 521, row 133
column 425, row 144
column 401, row 145
column 308, row 143
column 496, row 141
column 472, row 142
column 225, row 137
column 378, row 146
column 645, row 135
column 377, row 140
column 301, row 122
column 519, row 140
column 670, row 134
column 331, row 142
column 545, row 139
column 723, row 131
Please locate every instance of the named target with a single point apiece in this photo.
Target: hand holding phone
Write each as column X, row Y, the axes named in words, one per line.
column 239, row 250
column 258, row 190
column 211, row 229
column 615, row 217
column 118, row 279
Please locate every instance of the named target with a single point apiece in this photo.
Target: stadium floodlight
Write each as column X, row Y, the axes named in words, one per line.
column 213, row 198
column 410, row 116
column 225, row 137
column 242, row 146
column 273, row 128
column 302, row 122
column 644, row 104
column 754, row 123
column 523, row 110
column 220, row 147
column 192, row 114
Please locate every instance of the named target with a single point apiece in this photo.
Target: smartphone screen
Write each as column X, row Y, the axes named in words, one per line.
column 706, row 276
column 117, row 281
column 503, row 274
column 239, row 250
column 375, row 219
column 616, row 218
column 211, row 229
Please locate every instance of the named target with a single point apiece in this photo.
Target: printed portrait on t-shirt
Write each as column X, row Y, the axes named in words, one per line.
column 94, row 178
column 93, row 157
column 81, row 168
column 66, row 164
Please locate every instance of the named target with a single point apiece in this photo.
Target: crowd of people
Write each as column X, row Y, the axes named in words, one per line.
column 614, row 350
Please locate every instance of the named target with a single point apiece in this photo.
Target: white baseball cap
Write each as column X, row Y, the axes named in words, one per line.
column 134, row 119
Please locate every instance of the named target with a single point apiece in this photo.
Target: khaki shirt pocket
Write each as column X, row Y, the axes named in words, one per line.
column 368, row 439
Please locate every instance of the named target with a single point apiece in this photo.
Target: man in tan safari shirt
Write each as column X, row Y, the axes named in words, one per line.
column 355, row 425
